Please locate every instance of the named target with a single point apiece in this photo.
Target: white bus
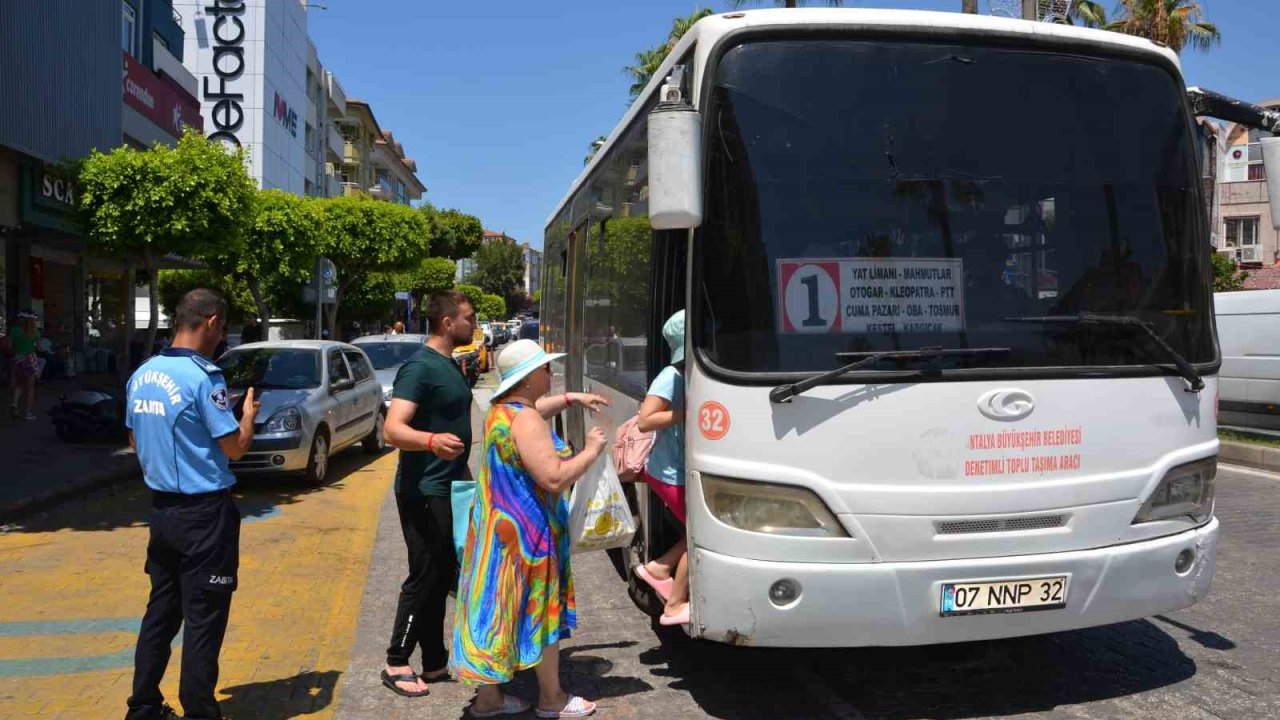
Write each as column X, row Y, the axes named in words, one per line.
column 951, row 366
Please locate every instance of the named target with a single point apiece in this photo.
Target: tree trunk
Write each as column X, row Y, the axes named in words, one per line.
column 128, row 319
column 969, row 6
column 149, row 262
column 331, row 318
column 264, row 311
column 791, row 3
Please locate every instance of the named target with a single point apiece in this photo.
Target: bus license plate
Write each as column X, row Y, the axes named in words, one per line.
column 1007, row 596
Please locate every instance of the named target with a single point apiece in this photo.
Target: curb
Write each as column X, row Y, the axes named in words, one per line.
column 17, row 509
column 1250, row 455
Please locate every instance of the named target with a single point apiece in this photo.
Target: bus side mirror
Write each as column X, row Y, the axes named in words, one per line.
column 1271, row 166
column 675, row 163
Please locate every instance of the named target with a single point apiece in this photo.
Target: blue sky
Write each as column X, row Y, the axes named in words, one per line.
column 498, row 101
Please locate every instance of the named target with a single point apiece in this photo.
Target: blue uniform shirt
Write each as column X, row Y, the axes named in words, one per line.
column 178, row 408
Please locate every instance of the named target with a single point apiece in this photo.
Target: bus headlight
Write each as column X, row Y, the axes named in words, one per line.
column 770, row 509
column 1184, row 491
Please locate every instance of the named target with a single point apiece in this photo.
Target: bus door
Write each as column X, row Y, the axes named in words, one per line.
column 574, row 431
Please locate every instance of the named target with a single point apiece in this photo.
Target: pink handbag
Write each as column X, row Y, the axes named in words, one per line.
column 631, row 449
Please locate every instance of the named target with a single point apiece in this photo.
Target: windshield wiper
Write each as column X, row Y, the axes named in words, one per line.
column 1185, row 368
column 784, row 393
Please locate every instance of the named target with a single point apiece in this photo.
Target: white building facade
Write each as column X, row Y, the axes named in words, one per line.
column 251, row 57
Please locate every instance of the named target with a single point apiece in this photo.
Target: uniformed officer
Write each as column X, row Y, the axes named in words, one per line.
column 182, row 425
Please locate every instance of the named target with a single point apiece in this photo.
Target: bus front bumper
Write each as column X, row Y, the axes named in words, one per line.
column 868, row 604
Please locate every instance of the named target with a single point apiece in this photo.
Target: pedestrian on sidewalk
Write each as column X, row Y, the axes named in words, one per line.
column 26, row 365
column 515, row 596
column 184, row 431
column 430, row 422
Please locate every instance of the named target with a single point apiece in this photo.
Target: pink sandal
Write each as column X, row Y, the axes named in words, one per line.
column 680, row 618
column 662, row 587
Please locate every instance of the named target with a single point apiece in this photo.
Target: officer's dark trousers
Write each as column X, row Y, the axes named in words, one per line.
column 192, row 558
column 427, row 524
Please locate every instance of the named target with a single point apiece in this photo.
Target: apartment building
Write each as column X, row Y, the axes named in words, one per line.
column 373, row 161
column 1243, row 225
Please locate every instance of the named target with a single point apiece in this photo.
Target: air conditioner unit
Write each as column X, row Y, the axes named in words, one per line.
column 1249, row 254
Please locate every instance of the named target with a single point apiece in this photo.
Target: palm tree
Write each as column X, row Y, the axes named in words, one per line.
column 648, row 61
column 1174, row 23
column 595, row 148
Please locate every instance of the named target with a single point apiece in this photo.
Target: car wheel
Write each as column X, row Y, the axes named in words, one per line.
column 374, row 444
column 318, row 460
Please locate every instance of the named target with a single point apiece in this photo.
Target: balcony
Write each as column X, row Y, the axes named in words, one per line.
column 350, row 153
column 1244, row 254
column 351, row 190
column 337, row 96
column 170, row 65
column 335, row 147
column 332, row 185
column 1244, row 193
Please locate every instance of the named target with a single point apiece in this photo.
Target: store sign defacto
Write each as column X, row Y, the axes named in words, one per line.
column 228, row 66
column 163, row 103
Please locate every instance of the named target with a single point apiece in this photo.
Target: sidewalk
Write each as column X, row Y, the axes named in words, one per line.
column 39, row 469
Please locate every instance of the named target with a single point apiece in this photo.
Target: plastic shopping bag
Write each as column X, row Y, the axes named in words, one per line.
column 599, row 516
column 462, row 494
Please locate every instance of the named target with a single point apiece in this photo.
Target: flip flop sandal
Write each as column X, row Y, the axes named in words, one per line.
column 390, row 681
column 662, row 587
column 436, row 676
column 575, row 708
column 680, row 618
column 511, row 705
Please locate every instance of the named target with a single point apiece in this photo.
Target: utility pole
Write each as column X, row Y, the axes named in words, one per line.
column 1029, row 10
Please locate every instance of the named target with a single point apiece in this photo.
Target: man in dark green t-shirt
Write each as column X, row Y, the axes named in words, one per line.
column 430, row 422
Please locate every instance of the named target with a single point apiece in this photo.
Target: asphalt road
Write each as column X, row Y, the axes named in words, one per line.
column 1217, row 659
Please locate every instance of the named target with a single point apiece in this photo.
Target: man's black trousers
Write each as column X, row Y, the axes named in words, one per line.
column 192, row 558
column 427, row 523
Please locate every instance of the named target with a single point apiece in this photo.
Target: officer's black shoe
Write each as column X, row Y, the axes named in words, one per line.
column 168, row 713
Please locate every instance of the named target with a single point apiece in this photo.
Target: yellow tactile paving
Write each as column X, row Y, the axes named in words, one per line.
column 74, row 590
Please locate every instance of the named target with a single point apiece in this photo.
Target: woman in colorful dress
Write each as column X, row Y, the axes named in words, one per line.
column 515, row 593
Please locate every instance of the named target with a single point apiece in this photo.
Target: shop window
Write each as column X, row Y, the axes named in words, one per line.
column 129, row 29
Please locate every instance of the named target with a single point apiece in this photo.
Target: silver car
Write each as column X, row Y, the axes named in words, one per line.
column 388, row 353
column 318, row 398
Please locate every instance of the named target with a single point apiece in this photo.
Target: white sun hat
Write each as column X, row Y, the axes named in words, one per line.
column 518, row 360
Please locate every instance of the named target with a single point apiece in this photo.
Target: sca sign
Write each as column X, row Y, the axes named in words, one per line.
column 228, row 65
column 287, row 116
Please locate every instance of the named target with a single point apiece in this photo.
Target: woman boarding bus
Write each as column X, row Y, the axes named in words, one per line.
column 951, row 356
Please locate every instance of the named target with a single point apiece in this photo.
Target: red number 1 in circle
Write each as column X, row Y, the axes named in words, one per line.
column 713, row 420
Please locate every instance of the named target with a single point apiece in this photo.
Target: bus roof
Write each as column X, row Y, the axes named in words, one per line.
column 710, row 29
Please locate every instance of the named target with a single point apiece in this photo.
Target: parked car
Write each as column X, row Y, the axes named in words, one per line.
column 529, row 330
column 474, row 358
column 318, row 398
column 501, row 335
column 388, row 353
column 489, row 337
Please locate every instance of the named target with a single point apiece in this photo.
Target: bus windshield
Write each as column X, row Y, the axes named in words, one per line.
column 865, row 196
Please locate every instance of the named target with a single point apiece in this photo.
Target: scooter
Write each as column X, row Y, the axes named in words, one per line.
column 88, row 414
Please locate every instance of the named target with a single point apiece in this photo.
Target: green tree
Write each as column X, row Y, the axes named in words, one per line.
column 1175, row 23
column 1227, row 275
column 595, row 148
column 499, row 267
column 491, row 307
column 279, row 255
column 537, row 297
column 173, row 284
column 454, row 234
column 364, row 237
column 649, row 61
column 193, row 200
column 431, row 275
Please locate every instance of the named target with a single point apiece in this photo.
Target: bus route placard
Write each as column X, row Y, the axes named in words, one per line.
column 870, row 295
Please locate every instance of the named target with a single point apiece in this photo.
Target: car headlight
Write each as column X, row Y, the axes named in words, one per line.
column 1184, row 491
column 769, row 509
column 286, row 420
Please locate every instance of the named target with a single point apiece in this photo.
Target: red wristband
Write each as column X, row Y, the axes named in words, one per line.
column 430, row 438
column 568, row 401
